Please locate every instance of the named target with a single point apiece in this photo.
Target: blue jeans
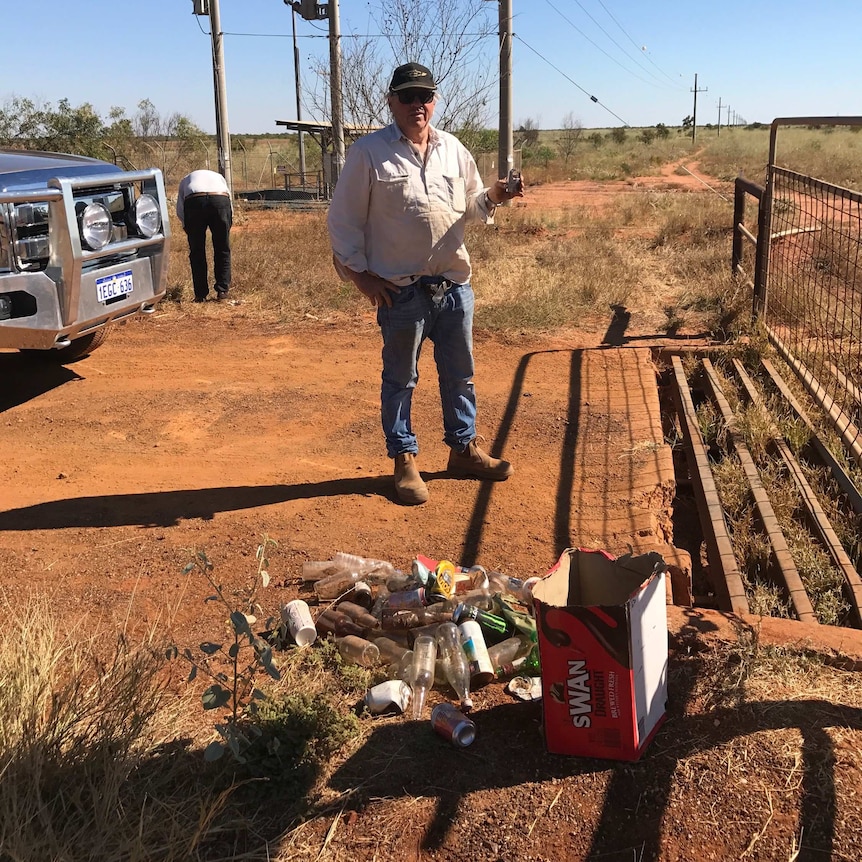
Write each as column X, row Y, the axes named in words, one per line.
column 448, row 322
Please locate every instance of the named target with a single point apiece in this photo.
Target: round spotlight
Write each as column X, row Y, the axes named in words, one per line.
column 96, row 226
column 148, row 218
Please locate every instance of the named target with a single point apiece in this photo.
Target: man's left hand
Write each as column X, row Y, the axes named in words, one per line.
column 497, row 192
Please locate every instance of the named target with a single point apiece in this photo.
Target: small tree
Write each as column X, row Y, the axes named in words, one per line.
column 662, row 131
column 569, row 137
column 527, row 134
column 618, row 135
column 236, row 687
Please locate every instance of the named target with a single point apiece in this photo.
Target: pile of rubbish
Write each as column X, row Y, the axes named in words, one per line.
column 438, row 622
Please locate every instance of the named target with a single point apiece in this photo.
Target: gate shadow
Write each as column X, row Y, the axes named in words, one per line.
column 404, row 759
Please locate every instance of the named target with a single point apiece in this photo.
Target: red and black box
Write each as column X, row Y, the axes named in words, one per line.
column 602, row 625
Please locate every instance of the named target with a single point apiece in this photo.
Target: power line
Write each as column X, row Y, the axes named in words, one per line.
column 636, row 59
column 591, row 97
column 598, row 47
column 642, row 48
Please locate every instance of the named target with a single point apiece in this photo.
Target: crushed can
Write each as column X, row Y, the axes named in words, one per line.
column 453, row 725
column 391, row 696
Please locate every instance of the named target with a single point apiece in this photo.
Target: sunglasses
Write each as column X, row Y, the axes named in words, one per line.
column 408, row 97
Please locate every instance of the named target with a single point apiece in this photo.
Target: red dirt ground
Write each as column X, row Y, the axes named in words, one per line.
column 205, row 430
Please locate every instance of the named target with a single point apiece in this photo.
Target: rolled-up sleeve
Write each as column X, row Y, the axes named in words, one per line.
column 348, row 210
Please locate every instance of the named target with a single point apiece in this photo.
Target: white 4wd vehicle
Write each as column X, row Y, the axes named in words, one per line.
column 82, row 244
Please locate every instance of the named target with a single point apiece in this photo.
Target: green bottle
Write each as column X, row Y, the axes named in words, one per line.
column 526, row 665
column 494, row 627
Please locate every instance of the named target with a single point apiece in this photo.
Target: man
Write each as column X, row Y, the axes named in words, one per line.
column 396, row 224
column 204, row 201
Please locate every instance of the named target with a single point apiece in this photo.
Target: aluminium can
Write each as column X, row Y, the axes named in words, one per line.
column 453, row 725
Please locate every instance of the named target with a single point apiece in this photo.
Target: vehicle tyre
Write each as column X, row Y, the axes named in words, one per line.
column 79, row 348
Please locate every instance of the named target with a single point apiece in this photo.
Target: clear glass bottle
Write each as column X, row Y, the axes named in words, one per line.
column 406, row 599
column 390, row 650
column 333, row 586
column 315, row 570
column 376, row 570
column 525, row 665
column 422, row 674
column 507, row 650
column 357, row 650
column 456, row 666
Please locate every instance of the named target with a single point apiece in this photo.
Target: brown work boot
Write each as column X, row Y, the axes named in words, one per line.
column 408, row 483
column 477, row 464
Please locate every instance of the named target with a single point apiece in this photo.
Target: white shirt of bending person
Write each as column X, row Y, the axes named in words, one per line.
column 398, row 218
column 200, row 182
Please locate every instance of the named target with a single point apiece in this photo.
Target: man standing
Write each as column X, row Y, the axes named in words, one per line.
column 396, row 225
column 204, row 201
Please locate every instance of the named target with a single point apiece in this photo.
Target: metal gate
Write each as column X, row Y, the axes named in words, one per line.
column 804, row 265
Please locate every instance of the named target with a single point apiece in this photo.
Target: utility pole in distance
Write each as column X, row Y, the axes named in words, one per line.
column 211, row 8
column 718, row 127
column 694, row 112
column 505, row 154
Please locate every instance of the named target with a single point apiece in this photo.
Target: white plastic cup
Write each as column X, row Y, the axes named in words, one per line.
column 297, row 617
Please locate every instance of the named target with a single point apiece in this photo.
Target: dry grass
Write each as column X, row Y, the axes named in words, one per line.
column 92, row 767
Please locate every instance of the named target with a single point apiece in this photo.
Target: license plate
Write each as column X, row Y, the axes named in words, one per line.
column 109, row 287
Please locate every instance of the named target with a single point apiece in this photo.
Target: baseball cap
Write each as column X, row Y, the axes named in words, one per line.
column 412, row 75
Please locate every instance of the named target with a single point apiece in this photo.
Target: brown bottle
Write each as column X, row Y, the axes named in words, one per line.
column 333, row 622
column 358, row 614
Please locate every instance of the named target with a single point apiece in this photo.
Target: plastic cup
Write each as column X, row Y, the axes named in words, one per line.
column 297, row 617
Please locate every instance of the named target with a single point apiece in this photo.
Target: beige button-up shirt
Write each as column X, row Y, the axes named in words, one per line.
column 398, row 218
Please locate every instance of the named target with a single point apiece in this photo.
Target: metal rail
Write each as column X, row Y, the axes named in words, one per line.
column 723, row 567
column 781, row 555
column 816, row 515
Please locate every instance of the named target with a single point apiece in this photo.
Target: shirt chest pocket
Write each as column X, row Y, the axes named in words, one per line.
column 394, row 190
column 442, row 193
column 449, row 191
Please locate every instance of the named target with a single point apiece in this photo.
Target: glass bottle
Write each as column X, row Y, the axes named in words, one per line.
column 333, row 622
column 406, row 599
column 376, row 570
column 506, row 651
column 333, row 586
column 456, row 667
column 494, row 627
column 390, row 650
column 525, row 665
column 422, row 674
column 473, row 644
column 315, row 570
column 357, row 650
column 358, row 614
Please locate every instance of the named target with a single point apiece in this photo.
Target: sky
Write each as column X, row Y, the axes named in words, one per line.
column 755, row 60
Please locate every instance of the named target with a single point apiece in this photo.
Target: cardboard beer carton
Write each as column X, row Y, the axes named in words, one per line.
column 602, row 625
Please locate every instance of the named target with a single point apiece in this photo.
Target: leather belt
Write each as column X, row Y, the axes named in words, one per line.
column 205, row 195
column 434, row 281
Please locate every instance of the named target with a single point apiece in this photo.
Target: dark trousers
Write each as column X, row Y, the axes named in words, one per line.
column 213, row 212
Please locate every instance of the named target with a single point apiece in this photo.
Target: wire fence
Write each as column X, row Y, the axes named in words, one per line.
column 810, row 291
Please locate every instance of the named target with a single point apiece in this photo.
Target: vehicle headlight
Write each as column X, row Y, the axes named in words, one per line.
column 96, row 226
column 148, row 218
